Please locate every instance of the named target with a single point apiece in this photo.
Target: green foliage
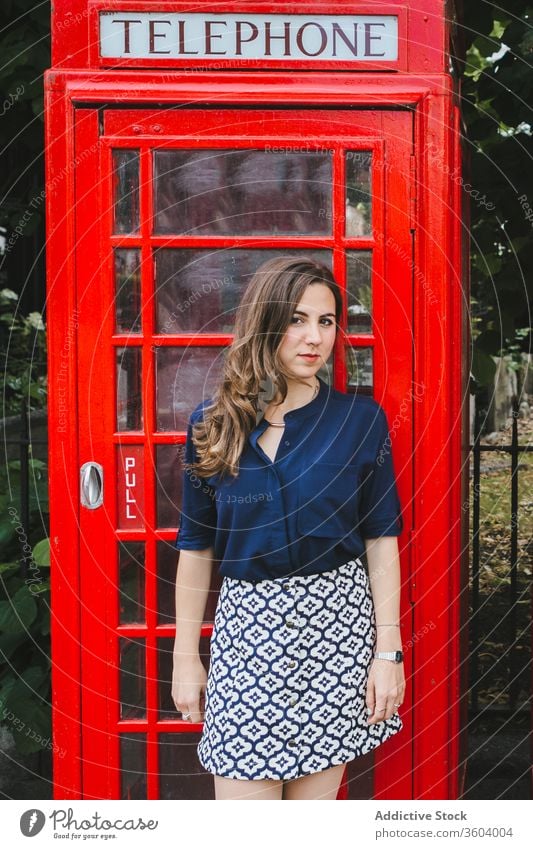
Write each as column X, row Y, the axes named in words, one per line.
column 25, row 52
column 24, row 595
column 25, row 651
column 513, row 348
column 497, row 89
column 23, row 356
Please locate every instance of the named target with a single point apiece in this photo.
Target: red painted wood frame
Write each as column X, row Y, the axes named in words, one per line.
column 424, row 29
column 310, row 9
column 418, row 315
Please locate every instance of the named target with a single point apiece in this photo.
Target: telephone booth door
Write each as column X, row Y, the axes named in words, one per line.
column 174, row 210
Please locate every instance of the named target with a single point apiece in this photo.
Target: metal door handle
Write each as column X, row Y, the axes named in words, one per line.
column 92, row 485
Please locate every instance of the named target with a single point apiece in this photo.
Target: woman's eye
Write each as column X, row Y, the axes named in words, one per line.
column 326, row 321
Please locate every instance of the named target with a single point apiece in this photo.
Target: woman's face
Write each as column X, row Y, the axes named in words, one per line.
column 311, row 331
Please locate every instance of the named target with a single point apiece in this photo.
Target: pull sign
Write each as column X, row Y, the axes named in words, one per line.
column 248, row 38
column 91, row 485
column 130, row 486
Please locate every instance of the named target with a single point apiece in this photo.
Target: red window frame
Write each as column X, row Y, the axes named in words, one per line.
column 388, row 133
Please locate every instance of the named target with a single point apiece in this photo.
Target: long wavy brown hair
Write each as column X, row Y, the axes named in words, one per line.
column 261, row 320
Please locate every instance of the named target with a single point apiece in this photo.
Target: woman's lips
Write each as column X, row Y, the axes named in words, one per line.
column 309, row 356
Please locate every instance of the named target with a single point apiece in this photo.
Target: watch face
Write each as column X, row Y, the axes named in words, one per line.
column 399, row 656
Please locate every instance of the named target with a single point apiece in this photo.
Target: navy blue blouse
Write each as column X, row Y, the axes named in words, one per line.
column 330, row 487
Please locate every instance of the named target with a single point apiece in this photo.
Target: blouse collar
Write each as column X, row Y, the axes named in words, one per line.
column 309, row 409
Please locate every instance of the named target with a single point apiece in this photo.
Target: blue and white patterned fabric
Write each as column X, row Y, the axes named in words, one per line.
column 286, row 688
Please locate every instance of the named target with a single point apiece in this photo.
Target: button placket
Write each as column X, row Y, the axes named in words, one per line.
column 292, row 621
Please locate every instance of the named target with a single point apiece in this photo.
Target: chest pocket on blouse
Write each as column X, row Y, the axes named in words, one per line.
column 327, row 500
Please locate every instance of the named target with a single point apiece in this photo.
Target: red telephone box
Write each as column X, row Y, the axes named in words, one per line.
column 185, row 147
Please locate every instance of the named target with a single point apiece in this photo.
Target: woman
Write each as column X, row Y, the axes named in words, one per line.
column 288, row 493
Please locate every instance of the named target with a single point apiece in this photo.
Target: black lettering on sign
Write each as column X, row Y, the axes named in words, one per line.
column 369, row 37
column 286, row 38
column 126, row 23
column 300, row 43
column 181, row 33
column 154, row 35
column 352, row 45
column 239, row 38
column 210, row 35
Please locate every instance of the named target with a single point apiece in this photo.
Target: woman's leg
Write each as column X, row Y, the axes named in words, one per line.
column 318, row 785
column 237, row 788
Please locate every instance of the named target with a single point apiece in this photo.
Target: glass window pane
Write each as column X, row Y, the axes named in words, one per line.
column 360, row 777
column 165, row 649
column 132, row 679
column 182, row 774
column 185, row 376
column 127, row 290
column 358, row 193
column 359, row 364
column 200, row 290
column 359, row 284
column 126, row 191
column 131, row 571
column 167, row 560
column 169, row 484
column 129, row 391
column 252, row 192
column 133, row 766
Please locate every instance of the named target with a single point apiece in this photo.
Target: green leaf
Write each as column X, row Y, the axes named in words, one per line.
column 483, row 367
column 5, row 690
column 486, row 46
column 45, row 625
column 499, row 27
column 32, row 727
column 18, row 613
column 487, row 264
column 9, row 643
column 28, row 683
column 41, row 553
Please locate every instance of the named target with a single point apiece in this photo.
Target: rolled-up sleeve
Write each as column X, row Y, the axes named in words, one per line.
column 198, row 519
column 379, row 507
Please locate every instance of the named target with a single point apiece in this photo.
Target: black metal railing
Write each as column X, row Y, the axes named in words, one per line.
column 502, row 623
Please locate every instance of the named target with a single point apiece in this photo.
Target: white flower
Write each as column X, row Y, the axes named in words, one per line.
column 35, row 319
column 9, row 295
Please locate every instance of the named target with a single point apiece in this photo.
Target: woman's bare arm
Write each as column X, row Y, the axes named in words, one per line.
column 189, row 677
column 386, row 684
column 193, row 580
column 384, row 573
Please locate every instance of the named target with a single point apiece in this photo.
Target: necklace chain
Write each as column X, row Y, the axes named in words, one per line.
column 282, row 424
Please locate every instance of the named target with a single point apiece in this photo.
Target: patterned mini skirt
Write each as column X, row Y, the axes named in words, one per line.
column 286, row 688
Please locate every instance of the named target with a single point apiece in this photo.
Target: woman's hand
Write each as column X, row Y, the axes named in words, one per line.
column 385, row 689
column 189, row 681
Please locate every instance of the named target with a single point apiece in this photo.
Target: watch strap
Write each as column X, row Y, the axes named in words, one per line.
column 395, row 656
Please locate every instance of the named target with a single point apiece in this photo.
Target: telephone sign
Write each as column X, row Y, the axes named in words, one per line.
column 158, row 36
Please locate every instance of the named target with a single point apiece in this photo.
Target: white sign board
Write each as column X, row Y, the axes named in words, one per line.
column 176, row 35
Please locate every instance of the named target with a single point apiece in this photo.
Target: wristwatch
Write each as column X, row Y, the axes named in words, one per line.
column 395, row 656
